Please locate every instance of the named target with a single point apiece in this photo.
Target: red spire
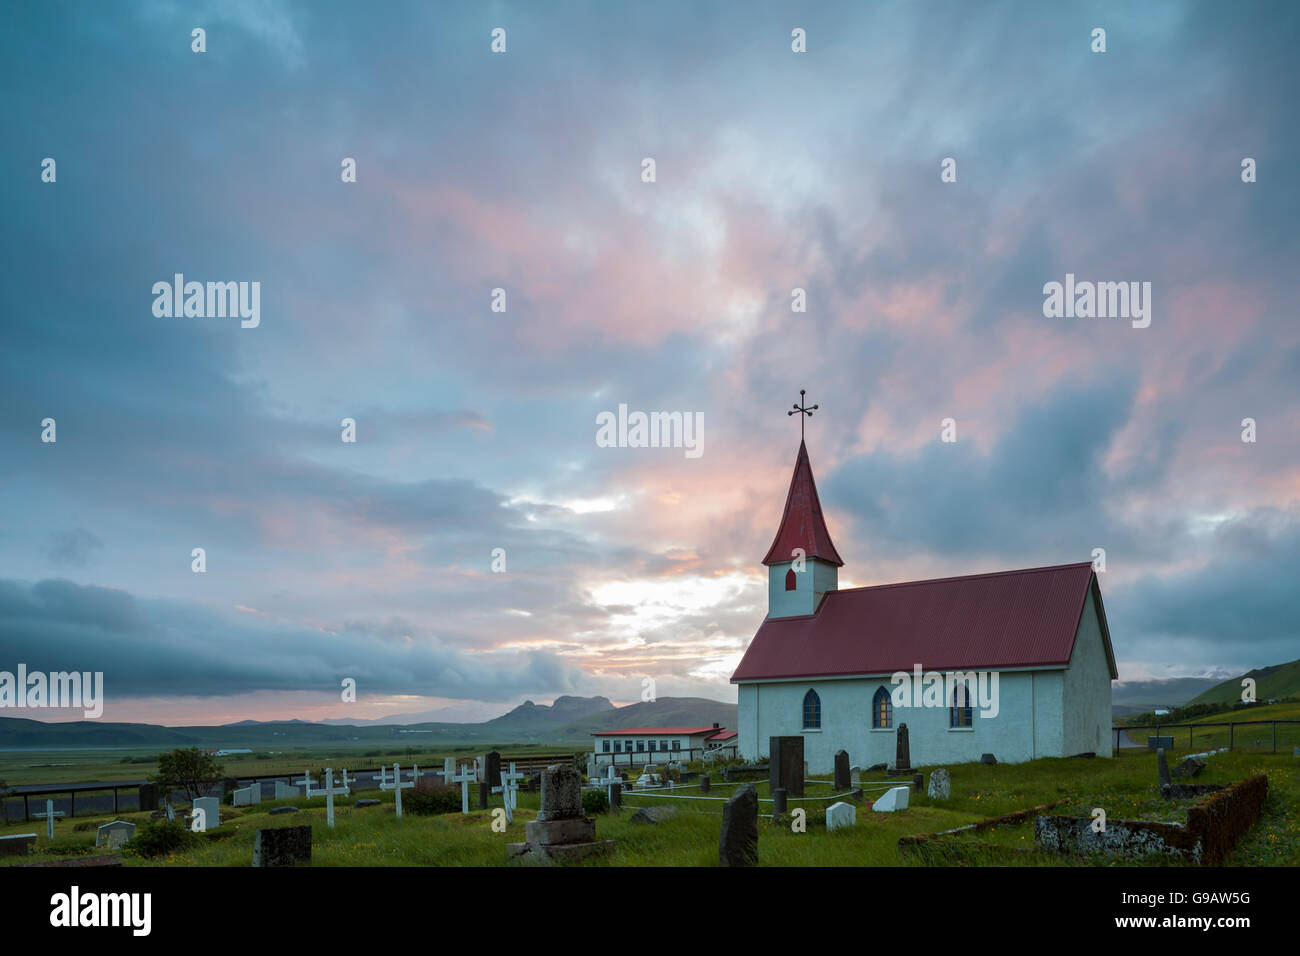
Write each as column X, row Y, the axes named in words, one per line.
column 802, row 525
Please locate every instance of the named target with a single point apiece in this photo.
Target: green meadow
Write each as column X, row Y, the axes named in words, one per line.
column 1125, row 786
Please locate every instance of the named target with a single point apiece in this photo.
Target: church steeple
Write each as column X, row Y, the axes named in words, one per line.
column 795, row 584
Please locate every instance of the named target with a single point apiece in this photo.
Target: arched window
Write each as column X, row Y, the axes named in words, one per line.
column 882, row 709
column 790, row 580
column 812, row 711
column 960, row 716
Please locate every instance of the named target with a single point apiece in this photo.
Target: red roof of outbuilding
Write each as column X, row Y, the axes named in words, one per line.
column 1009, row 619
column 680, row 731
column 802, row 525
column 723, row 735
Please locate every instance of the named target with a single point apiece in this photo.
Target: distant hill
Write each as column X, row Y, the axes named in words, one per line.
column 1141, row 697
column 1280, row 680
column 570, row 720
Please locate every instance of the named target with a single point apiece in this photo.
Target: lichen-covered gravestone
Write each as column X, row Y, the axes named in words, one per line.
column 738, row 845
column 282, row 846
column 561, row 832
column 940, row 785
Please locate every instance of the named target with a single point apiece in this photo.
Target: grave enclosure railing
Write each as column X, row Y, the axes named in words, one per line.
column 1235, row 740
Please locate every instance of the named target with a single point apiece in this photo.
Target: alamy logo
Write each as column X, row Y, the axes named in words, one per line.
column 213, row 300
column 653, row 430
column 957, row 690
column 56, row 690
column 74, row 908
column 1098, row 300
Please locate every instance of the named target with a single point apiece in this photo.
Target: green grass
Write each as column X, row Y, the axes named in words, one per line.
column 1280, row 680
column 1124, row 786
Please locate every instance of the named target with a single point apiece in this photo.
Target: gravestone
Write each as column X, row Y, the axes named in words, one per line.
column 483, row 791
column 465, row 778
column 918, row 781
column 841, row 814
column 492, row 769
column 1162, row 766
column 284, row 791
column 279, row 810
column 738, row 845
column 842, row 777
column 653, row 815
column 940, row 785
column 211, row 808
column 329, row 793
column 170, row 811
column 895, row 798
column 367, row 803
column 561, row 832
column 1160, row 743
column 247, row 796
column 780, row 799
column 855, row 776
column 877, row 766
column 282, row 846
column 705, row 783
column 16, row 844
column 785, row 768
column 397, row 787
column 988, row 759
column 902, row 752
column 148, row 796
column 856, row 795
column 113, row 835
column 1190, row 767
column 510, row 791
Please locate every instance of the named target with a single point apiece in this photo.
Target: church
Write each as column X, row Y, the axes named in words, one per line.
column 1013, row 663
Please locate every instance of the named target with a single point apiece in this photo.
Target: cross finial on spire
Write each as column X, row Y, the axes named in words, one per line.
column 799, row 407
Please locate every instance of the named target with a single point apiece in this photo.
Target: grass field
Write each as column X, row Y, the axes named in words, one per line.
column 1124, row 786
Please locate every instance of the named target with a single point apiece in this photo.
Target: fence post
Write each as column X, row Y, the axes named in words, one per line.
column 1231, row 728
column 1275, row 736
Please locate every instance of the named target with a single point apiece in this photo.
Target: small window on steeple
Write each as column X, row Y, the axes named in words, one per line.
column 790, row 584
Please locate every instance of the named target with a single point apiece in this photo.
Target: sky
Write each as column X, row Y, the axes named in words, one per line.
column 476, row 429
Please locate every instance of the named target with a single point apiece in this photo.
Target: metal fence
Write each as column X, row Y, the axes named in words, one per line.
column 1249, row 735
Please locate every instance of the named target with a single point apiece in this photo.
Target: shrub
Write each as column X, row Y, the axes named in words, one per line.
column 595, row 801
column 160, row 837
column 430, row 797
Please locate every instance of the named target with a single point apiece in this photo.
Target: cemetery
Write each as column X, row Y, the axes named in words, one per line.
column 484, row 812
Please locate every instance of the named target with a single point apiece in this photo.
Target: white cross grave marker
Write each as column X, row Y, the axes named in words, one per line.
column 509, row 790
column 329, row 792
column 383, row 776
column 397, row 786
column 306, row 783
column 49, row 819
column 448, row 771
column 465, row 778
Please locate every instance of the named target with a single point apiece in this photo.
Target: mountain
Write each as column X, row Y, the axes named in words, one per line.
column 1140, row 697
column 468, row 712
column 565, row 710
column 1280, row 680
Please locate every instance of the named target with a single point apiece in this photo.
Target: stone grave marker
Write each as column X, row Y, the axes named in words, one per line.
column 306, row 783
column 738, row 845
column 855, row 776
column 492, row 769
column 895, row 798
column 1190, row 767
column 561, row 832
column 988, row 759
column 841, row 814
column 842, row 781
column 247, row 796
column 283, row 846
column 209, row 810
column 786, row 765
column 113, row 835
column 1162, row 766
column 780, row 799
column 16, row 844
column 285, row 791
column 902, row 752
column 940, row 785
column 705, row 783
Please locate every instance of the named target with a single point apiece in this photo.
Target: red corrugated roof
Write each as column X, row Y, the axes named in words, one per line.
column 979, row 622
column 722, row 735
column 654, row 731
column 802, row 525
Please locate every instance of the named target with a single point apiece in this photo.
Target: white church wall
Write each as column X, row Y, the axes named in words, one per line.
column 776, row 709
column 1086, row 701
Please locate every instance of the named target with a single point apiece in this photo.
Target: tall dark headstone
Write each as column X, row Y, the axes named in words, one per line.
column 785, row 767
column 903, row 754
column 738, row 845
column 148, row 796
column 492, row 769
column 780, row 800
column 616, row 796
column 1162, row 764
column 705, row 783
column 483, row 791
column 842, row 781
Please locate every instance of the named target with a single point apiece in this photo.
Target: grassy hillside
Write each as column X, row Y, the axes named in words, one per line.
column 1280, row 680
